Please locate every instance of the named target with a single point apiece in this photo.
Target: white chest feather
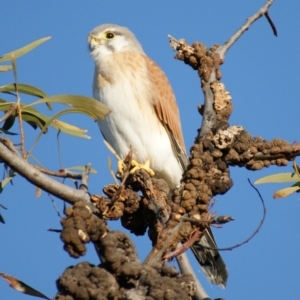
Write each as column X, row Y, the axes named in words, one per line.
column 122, row 84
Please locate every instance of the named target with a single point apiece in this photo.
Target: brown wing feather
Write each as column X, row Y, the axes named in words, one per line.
column 167, row 111
column 164, row 102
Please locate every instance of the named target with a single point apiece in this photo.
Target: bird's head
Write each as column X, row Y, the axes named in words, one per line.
column 109, row 39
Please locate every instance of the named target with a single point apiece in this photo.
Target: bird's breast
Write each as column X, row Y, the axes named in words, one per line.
column 124, row 86
column 132, row 121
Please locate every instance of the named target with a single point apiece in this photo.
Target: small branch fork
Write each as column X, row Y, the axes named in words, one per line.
column 62, row 173
column 29, row 172
column 8, row 113
column 262, row 12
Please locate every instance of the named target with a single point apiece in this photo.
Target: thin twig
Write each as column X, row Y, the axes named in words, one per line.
column 156, row 255
column 184, row 247
column 224, row 48
column 296, row 168
column 21, row 130
column 10, row 111
column 54, row 205
column 58, row 149
column 54, row 230
column 85, row 178
column 254, row 233
column 63, row 173
column 19, row 109
column 271, row 23
column 7, row 142
column 2, row 206
column 37, row 178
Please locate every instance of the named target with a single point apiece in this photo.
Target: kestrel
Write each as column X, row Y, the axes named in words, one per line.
column 144, row 117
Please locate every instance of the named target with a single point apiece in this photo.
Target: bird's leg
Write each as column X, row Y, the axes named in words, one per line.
column 134, row 166
column 145, row 166
column 121, row 168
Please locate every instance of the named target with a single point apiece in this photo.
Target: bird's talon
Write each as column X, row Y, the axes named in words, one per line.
column 135, row 166
column 121, row 168
column 145, row 166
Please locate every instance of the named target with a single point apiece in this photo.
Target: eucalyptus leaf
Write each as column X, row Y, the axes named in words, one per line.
column 278, row 178
column 65, row 127
column 23, row 88
column 93, row 107
column 7, row 132
column 285, row 192
column 5, row 68
column 9, row 122
column 36, row 119
column 4, row 182
column 21, row 51
column 22, row 287
column 14, row 66
column 81, row 168
column 62, row 126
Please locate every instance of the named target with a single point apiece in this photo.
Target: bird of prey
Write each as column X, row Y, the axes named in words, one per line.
column 144, row 117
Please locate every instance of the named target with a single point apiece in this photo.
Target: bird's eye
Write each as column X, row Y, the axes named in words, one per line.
column 109, row 35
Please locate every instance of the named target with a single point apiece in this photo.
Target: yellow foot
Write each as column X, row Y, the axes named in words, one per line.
column 145, row 166
column 135, row 166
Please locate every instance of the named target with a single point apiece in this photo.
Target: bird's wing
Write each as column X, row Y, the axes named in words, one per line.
column 166, row 109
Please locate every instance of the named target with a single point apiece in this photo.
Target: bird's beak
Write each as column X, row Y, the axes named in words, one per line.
column 94, row 42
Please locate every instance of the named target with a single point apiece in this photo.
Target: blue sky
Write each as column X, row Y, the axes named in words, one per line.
column 262, row 74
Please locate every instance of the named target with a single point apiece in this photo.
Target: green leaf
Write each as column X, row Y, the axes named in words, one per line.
column 14, row 66
column 12, row 173
column 5, row 181
column 5, row 105
column 66, row 127
column 20, row 286
column 62, row 126
column 297, row 167
column 19, row 52
column 5, row 68
column 1, row 218
column 7, row 132
column 9, row 122
column 91, row 106
column 81, row 168
column 34, row 120
column 278, row 178
column 81, row 104
column 285, row 192
column 23, row 88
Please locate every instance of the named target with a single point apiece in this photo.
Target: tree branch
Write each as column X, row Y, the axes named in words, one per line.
column 263, row 11
column 63, row 173
column 29, row 172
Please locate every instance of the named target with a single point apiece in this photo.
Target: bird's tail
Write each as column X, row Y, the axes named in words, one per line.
column 210, row 260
